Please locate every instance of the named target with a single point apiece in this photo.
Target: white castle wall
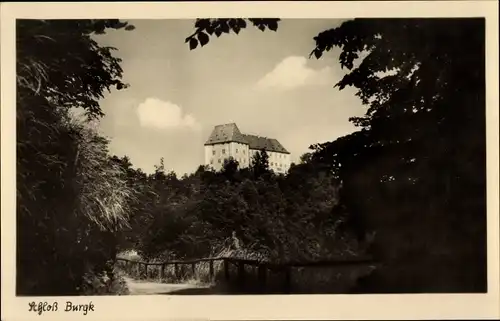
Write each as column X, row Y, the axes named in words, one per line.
column 217, row 153
column 279, row 162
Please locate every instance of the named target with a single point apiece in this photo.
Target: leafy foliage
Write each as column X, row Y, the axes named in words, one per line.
column 59, row 60
column 70, row 197
column 423, row 140
column 208, row 27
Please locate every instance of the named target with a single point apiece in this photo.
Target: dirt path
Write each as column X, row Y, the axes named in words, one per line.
column 137, row 287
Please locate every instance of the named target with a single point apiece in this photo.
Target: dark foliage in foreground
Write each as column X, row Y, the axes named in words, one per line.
column 70, row 196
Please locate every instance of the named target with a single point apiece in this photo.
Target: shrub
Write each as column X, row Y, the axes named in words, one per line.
column 71, row 199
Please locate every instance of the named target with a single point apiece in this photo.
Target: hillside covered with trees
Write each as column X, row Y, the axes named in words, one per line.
column 274, row 217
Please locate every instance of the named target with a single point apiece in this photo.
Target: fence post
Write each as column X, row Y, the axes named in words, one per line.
column 162, row 271
column 193, row 268
column 138, row 269
column 241, row 272
column 226, row 269
column 176, row 270
column 211, row 269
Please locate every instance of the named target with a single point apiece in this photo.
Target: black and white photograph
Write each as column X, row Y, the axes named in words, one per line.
column 262, row 156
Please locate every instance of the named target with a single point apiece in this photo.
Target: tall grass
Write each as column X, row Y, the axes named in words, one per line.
column 71, row 199
column 103, row 192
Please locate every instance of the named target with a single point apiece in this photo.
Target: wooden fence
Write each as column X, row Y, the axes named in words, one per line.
column 233, row 270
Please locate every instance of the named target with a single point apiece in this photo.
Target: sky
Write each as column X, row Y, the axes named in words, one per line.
column 264, row 82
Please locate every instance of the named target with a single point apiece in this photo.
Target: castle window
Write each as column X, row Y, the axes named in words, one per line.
column 236, row 150
column 243, row 152
column 213, row 152
column 223, row 151
column 218, row 160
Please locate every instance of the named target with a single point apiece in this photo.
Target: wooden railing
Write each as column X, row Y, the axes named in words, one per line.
column 142, row 269
column 161, row 266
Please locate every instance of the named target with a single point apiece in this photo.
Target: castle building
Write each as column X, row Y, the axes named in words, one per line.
column 227, row 141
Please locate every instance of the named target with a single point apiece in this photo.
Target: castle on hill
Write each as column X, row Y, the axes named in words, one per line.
column 227, row 141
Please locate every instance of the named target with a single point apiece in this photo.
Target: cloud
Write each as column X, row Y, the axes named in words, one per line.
column 160, row 114
column 293, row 72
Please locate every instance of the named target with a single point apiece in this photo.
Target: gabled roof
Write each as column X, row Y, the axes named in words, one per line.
column 268, row 144
column 230, row 133
column 224, row 134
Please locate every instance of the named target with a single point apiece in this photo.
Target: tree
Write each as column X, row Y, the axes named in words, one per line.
column 419, row 158
column 423, row 136
column 230, row 169
column 59, row 60
column 66, row 211
column 260, row 164
column 305, row 158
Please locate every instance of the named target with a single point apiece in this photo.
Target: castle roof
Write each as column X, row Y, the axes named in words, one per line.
column 268, row 144
column 230, row 133
column 226, row 133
